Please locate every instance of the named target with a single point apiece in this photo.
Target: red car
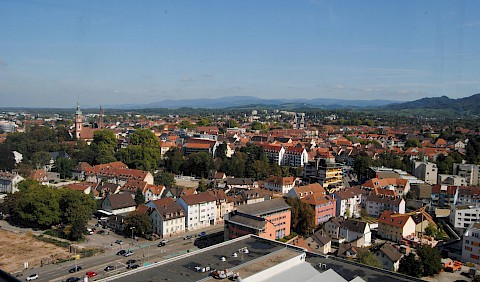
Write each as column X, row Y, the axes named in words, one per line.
column 91, row 274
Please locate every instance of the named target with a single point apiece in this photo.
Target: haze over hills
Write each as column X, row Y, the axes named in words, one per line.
column 238, row 101
column 465, row 106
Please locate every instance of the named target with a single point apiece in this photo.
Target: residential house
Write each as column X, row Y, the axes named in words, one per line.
column 240, row 183
column 400, row 186
column 356, row 232
column 279, row 184
column 39, row 175
column 393, row 226
column 471, row 244
column 269, row 219
column 332, row 227
column 153, row 192
column 320, row 243
column 78, row 172
column 389, row 257
column 224, row 206
column 9, row 182
column 119, row 204
column 376, row 204
column 167, row 217
column 84, row 187
column 347, row 250
column 200, row 210
column 132, row 186
column 303, row 191
column 348, row 202
column 177, row 192
column 253, row 196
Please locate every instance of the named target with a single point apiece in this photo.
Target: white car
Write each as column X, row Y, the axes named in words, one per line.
column 32, row 277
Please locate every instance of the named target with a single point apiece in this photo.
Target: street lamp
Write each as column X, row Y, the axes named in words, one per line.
column 132, row 228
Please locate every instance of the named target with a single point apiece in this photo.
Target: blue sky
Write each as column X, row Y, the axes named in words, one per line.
column 122, row 52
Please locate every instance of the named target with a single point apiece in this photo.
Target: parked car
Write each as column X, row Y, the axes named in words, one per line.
column 109, row 268
column 75, row 269
column 120, row 242
column 132, row 266
column 32, row 277
column 91, row 274
column 164, row 241
column 188, row 237
column 121, row 252
column 73, row 279
column 161, row 244
column 131, row 261
column 201, row 234
column 128, row 253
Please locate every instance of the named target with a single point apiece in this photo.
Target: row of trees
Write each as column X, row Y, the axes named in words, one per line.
column 250, row 161
column 40, row 206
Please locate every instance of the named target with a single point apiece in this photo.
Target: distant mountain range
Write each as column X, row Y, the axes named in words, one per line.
column 239, row 101
column 464, row 106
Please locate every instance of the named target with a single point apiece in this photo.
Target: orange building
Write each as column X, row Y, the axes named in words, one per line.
column 268, row 219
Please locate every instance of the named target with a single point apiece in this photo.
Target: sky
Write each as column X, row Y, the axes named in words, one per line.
column 138, row 52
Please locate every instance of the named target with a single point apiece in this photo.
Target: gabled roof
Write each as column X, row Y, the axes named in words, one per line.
column 353, row 225
column 196, row 199
column 120, row 201
column 281, row 181
column 317, row 199
column 314, row 188
column 391, row 252
column 393, row 219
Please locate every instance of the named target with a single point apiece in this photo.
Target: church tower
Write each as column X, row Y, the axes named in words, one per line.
column 78, row 121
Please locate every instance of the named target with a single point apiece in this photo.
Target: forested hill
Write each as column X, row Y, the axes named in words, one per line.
column 462, row 106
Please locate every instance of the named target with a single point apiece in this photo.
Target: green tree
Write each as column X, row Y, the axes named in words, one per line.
column 369, row 258
column 139, row 223
column 412, row 142
column 303, row 216
column 410, row 266
column 200, row 164
column 7, row 160
column 76, row 209
column 64, row 167
column 256, row 125
column 104, row 145
column 185, row 124
column 139, row 197
column 40, row 159
column 38, row 206
column 430, row 259
column 164, row 178
column 445, row 164
column 202, row 185
column 361, row 165
column 143, row 152
column 174, row 160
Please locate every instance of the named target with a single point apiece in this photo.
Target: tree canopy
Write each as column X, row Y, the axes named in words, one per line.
column 369, row 258
column 303, row 216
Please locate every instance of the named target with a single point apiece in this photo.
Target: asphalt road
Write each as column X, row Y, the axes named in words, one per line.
column 144, row 253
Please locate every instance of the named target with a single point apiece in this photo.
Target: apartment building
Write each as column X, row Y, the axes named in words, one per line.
column 471, row 172
column 461, row 216
column 393, row 226
column 200, row 210
column 376, row 204
column 471, row 244
column 426, row 171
